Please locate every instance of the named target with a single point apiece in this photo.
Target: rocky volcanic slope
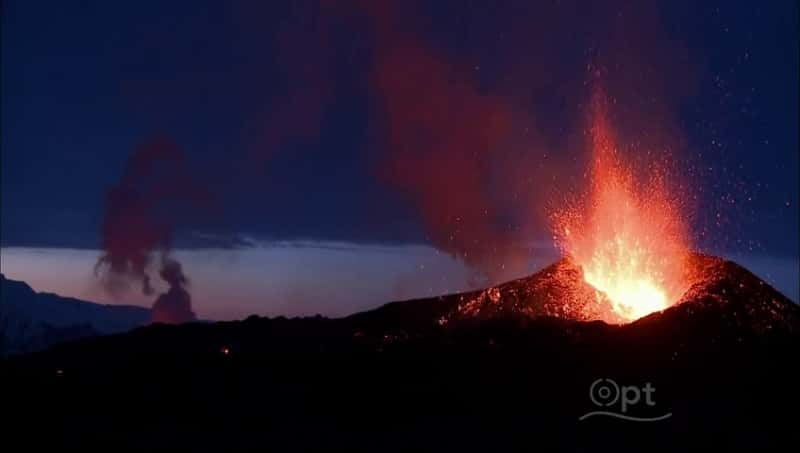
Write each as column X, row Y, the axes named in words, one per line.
column 721, row 290
column 507, row 368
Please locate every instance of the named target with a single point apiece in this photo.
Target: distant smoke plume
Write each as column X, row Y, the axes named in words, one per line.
column 140, row 214
column 174, row 306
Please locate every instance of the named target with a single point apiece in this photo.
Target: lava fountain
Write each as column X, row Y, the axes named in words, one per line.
column 628, row 235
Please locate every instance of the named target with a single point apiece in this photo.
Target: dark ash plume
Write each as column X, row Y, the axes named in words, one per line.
column 140, row 214
column 174, row 306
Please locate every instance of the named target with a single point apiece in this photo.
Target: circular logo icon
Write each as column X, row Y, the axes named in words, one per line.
column 604, row 392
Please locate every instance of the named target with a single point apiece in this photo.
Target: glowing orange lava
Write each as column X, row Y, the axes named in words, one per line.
column 628, row 235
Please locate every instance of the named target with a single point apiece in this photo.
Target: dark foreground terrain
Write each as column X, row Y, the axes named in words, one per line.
column 486, row 371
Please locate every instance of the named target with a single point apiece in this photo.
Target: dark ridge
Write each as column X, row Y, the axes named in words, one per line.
column 464, row 372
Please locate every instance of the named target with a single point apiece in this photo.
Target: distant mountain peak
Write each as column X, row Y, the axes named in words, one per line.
column 30, row 320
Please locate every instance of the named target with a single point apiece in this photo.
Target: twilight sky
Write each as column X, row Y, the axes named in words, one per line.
column 355, row 152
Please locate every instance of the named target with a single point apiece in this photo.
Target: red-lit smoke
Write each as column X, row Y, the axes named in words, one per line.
column 453, row 142
column 139, row 218
column 447, row 144
column 480, row 136
column 303, row 61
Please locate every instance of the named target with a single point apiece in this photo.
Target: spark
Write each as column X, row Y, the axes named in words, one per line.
column 629, row 239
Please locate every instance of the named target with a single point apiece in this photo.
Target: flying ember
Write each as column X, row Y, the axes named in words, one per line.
column 628, row 234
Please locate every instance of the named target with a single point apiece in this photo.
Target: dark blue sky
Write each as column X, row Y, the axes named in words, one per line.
column 84, row 83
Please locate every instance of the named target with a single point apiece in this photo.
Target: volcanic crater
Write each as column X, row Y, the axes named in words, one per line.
column 560, row 291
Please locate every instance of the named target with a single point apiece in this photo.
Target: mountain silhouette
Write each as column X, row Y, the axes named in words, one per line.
column 31, row 321
column 494, row 370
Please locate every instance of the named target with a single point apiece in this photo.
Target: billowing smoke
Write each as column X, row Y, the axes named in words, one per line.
column 174, row 306
column 446, row 143
column 480, row 124
column 140, row 215
column 479, row 157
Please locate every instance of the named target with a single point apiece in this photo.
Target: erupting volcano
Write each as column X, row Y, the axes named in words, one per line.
column 628, row 235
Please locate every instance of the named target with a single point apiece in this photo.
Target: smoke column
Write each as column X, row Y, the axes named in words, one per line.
column 139, row 218
column 174, row 306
